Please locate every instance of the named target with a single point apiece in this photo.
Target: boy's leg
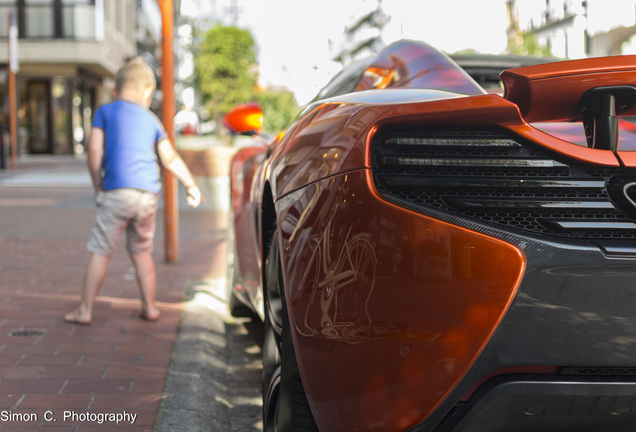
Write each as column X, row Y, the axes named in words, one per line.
column 93, row 281
column 140, row 236
column 147, row 281
column 103, row 241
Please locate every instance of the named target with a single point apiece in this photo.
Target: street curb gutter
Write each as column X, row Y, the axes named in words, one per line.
column 213, row 382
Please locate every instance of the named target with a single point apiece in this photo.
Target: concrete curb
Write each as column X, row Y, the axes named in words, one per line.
column 213, row 383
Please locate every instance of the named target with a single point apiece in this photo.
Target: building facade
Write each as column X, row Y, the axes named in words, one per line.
column 576, row 28
column 68, row 54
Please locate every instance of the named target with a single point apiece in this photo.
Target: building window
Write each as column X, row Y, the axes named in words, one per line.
column 78, row 19
column 39, row 18
column 72, row 19
column 6, row 6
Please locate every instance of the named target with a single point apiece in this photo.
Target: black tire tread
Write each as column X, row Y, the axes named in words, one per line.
column 299, row 418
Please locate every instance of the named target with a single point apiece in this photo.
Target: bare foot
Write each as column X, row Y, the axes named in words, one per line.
column 150, row 315
column 76, row 317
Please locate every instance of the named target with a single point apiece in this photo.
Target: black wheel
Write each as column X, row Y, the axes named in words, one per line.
column 285, row 406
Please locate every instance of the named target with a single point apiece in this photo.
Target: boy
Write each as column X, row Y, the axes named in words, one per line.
column 122, row 146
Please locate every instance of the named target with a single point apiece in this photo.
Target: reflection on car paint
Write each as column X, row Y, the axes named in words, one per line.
column 409, row 65
column 349, row 277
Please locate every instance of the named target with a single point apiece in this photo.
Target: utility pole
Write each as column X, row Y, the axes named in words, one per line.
column 171, row 210
column 234, row 13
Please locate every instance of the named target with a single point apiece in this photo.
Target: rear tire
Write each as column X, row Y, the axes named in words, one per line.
column 285, row 405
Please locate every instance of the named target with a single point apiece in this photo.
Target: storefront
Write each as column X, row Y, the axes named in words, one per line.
column 68, row 52
column 54, row 112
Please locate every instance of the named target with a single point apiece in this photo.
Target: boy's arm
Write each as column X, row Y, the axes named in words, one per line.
column 95, row 159
column 171, row 160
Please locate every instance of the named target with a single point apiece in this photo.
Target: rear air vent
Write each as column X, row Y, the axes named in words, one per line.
column 494, row 179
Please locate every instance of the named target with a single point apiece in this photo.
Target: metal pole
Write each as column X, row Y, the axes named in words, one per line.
column 12, row 121
column 13, row 68
column 171, row 210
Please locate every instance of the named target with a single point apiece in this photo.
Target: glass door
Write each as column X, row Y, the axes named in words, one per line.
column 39, row 117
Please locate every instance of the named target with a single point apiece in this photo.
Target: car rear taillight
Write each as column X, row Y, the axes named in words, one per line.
column 495, row 179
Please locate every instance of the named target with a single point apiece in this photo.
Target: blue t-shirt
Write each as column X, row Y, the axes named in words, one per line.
column 131, row 132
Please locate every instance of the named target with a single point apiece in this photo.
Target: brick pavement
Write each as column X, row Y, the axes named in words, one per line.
column 117, row 365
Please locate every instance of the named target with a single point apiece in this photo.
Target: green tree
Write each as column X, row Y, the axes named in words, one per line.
column 225, row 69
column 279, row 109
column 527, row 45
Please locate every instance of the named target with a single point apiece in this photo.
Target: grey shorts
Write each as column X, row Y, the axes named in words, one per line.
column 120, row 210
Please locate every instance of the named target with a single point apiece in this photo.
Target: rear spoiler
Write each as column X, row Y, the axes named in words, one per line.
column 593, row 91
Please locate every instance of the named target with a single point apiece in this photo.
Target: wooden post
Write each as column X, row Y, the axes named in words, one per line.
column 171, row 209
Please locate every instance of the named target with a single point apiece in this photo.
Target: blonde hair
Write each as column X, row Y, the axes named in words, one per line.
column 135, row 75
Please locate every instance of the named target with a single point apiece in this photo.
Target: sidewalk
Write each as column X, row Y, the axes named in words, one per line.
column 55, row 376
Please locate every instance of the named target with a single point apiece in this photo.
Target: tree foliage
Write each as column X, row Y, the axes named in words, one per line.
column 527, row 45
column 279, row 109
column 226, row 76
column 225, row 68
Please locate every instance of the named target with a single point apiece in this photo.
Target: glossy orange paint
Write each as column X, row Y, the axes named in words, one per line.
column 565, row 148
column 244, row 118
column 406, row 301
column 627, row 158
column 552, row 91
column 244, row 167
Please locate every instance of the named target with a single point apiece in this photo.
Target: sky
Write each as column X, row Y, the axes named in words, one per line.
column 296, row 39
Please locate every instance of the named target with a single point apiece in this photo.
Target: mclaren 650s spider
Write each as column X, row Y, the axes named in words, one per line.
column 429, row 256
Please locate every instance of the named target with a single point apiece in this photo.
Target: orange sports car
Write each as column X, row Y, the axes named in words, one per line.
column 427, row 256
